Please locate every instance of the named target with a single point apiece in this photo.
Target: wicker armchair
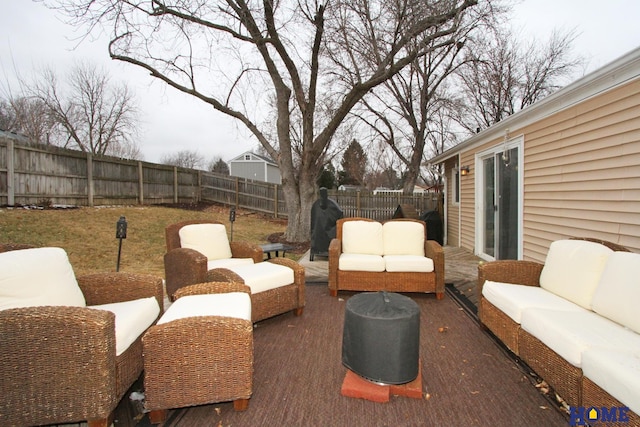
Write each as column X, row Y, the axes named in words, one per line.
column 58, row 364
column 184, row 266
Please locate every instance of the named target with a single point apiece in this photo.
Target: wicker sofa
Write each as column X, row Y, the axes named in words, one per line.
column 573, row 319
column 396, row 256
column 71, row 347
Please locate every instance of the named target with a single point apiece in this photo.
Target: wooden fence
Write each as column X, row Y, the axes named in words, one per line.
column 50, row 176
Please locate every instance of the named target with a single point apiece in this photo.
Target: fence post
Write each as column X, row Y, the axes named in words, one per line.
column 89, row 179
column 275, row 200
column 358, row 203
column 11, row 189
column 140, row 184
column 175, row 184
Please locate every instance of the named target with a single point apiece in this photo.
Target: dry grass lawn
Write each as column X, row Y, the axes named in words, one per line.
column 88, row 234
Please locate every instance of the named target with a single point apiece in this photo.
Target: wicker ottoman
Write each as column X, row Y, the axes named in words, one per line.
column 200, row 352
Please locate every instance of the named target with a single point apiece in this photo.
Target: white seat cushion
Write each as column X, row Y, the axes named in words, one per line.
column 209, row 239
column 408, row 263
column 619, row 285
column 513, row 299
column 362, row 237
column 570, row 333
column 263, row 276
column 37, row 277
column 360, row 262
column 616, row 372
column 403, row 238
column 228, row 262
column 573, row 268
column 132, row 319
column 231, row 304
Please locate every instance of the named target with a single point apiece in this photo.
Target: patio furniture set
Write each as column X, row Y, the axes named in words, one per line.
column 573, row 320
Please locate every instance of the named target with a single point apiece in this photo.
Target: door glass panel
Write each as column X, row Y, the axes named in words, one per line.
column 507, row 169
column 489, row 206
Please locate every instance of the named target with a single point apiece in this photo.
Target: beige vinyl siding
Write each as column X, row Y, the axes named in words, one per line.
column 453, row 209
column 582, row 173
column 467, row 203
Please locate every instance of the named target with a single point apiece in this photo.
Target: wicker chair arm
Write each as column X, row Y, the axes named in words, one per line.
column 335, row 249
column 433, row 250
column 223, row 275
column 183, row 267
column 509, row 271
column 211, row 288
column 246, row 250
column 105, row 288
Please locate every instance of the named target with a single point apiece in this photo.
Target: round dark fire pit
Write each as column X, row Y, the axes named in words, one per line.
column 381, row 337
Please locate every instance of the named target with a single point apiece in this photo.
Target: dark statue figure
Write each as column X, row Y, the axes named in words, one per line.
column 324, row 215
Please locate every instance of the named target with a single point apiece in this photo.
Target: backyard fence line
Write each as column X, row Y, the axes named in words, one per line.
column 52, row 176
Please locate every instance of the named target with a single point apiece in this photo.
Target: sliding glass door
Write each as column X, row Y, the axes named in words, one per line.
column 499, row 185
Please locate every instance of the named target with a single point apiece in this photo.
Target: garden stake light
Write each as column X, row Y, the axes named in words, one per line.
column 121, row 233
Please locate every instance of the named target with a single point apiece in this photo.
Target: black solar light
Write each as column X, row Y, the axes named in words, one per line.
column 121, row 233
column 232, row 218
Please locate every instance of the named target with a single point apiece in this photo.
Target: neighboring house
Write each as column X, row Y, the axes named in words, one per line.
column 254, row 166
column 566, row 166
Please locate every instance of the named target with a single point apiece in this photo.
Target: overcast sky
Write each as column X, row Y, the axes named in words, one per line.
column 32, row 36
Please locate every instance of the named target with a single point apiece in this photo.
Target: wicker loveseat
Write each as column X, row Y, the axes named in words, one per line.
column 71, row 347
column 573, row 320
column 395, row 256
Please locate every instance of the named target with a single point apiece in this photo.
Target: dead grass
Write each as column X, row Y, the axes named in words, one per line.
column 88, row 234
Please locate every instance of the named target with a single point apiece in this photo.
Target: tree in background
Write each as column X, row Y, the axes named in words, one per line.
column 190, row 159
column 507, row 76
column 327, row 177
column 218, row 165
column 29, row 117
column 271, row 65
column 354, row 165
column 84, row 111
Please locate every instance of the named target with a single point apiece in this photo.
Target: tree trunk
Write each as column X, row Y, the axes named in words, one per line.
column 299, row 196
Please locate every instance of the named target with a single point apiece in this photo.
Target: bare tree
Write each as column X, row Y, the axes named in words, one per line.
column 184, row 158
column 507, row 77
column 28, row 116
column 266, row 63
column 93, row 114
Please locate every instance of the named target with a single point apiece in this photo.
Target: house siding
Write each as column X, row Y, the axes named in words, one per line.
column 453, row 209
column 581, row 175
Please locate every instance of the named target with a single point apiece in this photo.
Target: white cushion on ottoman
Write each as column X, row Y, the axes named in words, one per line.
column 37, row 277
column 513, row 299
column 132, row 319
column 231, row 304
column 264, row 276
column 616, row 372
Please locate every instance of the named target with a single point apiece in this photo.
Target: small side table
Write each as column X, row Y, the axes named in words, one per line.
column 275, row 248
column 381, row 338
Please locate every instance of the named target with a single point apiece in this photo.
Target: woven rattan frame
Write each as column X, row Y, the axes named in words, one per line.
column 432, row 282
column 274, row 301
column 184, row 267
column 199, row 360
column 59, row 365
column 594, row 396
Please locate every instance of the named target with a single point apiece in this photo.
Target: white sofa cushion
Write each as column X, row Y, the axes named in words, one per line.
column 264, row 276
column 616, row 372
column 573, row 268
column 403, row 238
column 408, row 263
column 362, row 237
column 228, row 262
column 619, row 285
column 132, row 319
column 570, row 333
column 512, row 299
column 360, row 262
column 231, row 304
column 37, row 277
column 209, row 239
